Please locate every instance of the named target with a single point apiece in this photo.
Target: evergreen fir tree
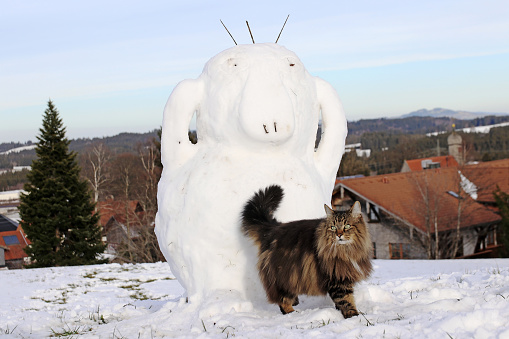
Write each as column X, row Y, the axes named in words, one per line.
column 57, row 209
column 502, row 200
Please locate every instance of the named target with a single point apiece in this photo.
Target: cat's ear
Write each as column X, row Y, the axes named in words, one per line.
column 328, row 210
column 355, row 211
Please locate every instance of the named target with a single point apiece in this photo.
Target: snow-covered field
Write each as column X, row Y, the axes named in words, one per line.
column 403, row 299
column 19, row 149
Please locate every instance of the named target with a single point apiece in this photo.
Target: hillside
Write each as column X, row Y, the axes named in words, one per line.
column 402, row 299
column 442, row 112
column 415, row 125
column 17, row 154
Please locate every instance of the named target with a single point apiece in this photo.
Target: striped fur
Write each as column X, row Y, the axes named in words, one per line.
column 313, row 257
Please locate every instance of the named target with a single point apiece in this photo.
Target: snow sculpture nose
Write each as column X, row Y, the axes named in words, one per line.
column 265, row 109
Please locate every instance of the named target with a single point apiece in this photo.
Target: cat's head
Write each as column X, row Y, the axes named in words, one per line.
column 343, row 237
column 345, row 229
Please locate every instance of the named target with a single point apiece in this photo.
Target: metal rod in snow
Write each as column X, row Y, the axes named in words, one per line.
column 282, row 28
column 247, row 23
column 228, row 32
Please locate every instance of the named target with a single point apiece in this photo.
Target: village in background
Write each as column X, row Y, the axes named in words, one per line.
column 426, row 185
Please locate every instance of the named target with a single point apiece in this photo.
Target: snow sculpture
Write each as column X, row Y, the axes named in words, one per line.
column 257, row 112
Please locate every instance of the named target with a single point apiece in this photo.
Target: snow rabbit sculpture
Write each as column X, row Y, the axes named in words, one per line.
column 257, row 112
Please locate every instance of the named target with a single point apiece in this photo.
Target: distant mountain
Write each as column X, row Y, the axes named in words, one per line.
column 448, row 113
column 416, row 125
column 120, row 143
column 17, row 154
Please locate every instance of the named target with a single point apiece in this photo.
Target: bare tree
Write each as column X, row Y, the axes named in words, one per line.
column 95, row 161
column 124, row 187
column 135, row 183
column 430, row 186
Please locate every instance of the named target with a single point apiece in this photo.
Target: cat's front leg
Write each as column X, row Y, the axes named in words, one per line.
column 342, row 295
column 287, row 303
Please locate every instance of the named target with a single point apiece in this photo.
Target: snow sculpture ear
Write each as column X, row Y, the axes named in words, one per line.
column 334, row 130
column 184, row 101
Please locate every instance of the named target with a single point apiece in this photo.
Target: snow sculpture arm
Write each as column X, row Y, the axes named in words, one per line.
column 334, row 131
column 184, row 101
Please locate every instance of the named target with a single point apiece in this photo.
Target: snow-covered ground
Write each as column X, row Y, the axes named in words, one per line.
column 19, row 149
column 477, row 129
column 402, row 299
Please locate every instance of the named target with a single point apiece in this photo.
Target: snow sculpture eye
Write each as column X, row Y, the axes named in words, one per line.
column 291, row 62
column 232, row 62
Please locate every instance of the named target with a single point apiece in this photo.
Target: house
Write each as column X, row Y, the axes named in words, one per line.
column 357, row 148
column 405, row 211
column 12, row 243
column 9, row 203
column 119, row 220
column 488, row 176
column 429, row 163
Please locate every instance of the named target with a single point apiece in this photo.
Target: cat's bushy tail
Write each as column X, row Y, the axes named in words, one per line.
column 258, row 213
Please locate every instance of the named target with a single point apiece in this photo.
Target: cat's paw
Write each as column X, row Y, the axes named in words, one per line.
column 352, row 312
column 286, row 308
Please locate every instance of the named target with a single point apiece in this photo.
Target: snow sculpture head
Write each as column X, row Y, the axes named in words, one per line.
column 253, row 89
column 257, row 112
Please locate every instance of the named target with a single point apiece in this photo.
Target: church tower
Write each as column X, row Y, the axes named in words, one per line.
column 456, row 146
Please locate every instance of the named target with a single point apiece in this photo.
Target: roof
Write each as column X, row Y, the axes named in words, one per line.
column 417, row 164
column 6, row 224
column 402, row 195
column 14, row 251
column 117, row 209
column 489, row 175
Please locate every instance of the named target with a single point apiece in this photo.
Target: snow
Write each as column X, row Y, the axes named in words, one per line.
column 19, row 149
column 257, row 113
column 477, row 129
column 402, row 299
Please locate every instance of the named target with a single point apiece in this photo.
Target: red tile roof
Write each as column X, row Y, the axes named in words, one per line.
column 401, row 195
column 445, row 161
column 489, row 175
column 116, row 209
column 15, row 251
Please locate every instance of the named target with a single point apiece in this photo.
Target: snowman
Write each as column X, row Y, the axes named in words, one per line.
column 257, row 113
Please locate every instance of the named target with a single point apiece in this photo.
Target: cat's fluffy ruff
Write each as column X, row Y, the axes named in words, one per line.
column 305, row 256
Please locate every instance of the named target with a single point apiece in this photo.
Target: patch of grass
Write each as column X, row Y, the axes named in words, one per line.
column 228, row 329
column 369, row 323
column 91, row 275
column 138, row 294
column 117, row 336
column 7, row 330
column 68, row 331
column 97, row 317
column 495, row 270
column 399, row 317
column 435, row 278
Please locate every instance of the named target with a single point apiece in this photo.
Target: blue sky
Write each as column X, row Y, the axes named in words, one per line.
column 109, row 66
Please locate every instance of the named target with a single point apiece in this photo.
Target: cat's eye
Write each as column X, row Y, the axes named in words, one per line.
column 333, row 228
column 347, row 227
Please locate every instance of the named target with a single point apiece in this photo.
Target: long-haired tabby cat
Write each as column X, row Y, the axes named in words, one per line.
column 312, row 257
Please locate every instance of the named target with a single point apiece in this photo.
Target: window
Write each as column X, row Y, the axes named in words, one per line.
column 373, row 214
column 454, row 194
column 491, row 238
column 399, row 251
column 11, row 240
